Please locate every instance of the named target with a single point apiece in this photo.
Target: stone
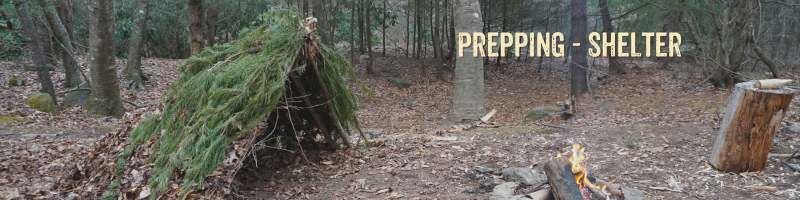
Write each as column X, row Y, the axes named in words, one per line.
column 363, row 57
column 400, row 83
column 16, row 82
column 521, row 174
column 491, row 183
column 32, row 67
column 483, row 169
column 543, row 194
column 633, row 194
column 607, row 106
column 505, row 191
column 42, row 102
column 374, row 133
column 540, row 113
column 76, row 98
column 791, row 128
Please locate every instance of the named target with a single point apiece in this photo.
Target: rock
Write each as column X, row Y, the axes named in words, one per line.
column 42, row 102
column 16, row 82
column 491, row 182
column 633, row 194
column 363, row 57
column 540, row 113
column 791, row 128
column 543, row 194
column 606, row 107
column 400, row 83
column 505, row 191
column 76, row 98
column 373, row 133
column 521, row 174
column 32, row 67
column 483, row 169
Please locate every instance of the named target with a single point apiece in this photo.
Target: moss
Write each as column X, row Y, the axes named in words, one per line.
column 9, row 119
column 42, row 102
column 97, row 116
column 699, row 103
column 16, row 82
column 107, row 129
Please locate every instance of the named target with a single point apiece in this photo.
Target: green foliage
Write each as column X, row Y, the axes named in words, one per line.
column 633, row 143
column 225, row 91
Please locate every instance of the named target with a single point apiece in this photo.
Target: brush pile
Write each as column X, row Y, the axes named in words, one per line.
column 275, row 87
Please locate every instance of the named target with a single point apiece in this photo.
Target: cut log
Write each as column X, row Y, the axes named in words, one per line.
column 771, row 83
column 751, row 121
column 562, row 180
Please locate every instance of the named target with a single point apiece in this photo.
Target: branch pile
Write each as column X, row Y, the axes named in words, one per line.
column 274, row 87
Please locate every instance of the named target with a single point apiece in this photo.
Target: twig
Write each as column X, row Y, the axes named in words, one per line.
column 75, row 90
column 659, row 114
column 554, row 126
column 793, row 166
column 139, row 106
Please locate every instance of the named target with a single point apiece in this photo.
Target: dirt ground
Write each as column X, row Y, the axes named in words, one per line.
column 645, row 129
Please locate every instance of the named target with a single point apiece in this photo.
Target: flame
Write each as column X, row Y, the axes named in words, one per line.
column 579, row 169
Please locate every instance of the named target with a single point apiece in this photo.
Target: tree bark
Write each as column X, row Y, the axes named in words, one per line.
column 360, row 12
column 104, row 99
column 751, row 120
column 577, row 56
column 408, row 25
column 318, row 11
column 369, row 38
column 196, row 42
column 383, row 31
column 45, row 40
column 468, row 99
column 41, row 64
column 613, row 62
column 211, row 25
column 64, row 9
column 133, row 70
column 72, row 74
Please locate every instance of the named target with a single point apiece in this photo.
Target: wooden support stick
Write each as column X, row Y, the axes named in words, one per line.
column 331, row 110
column 311, row 109
column 562, row 180
column 771, row 83
column 751, row 121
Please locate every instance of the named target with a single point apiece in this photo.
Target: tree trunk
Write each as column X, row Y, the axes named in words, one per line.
column 502, row 29
column 408, row 25
column 42, row 70
column 73, row 78
column 437, row 43
column 104, row 99
column 45, row 40
column 64, row 9
column 369, row 38
column 613, row 62
column 211, row 25
column 383, row 31
column 196, row 42
column 578, row 65
column 318, row 11
column 468, row 99
column 353, row 10
column 360, row 10
column 751, row 120
column 133, row 70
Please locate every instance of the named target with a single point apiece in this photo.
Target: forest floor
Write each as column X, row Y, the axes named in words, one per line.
column 648, row 128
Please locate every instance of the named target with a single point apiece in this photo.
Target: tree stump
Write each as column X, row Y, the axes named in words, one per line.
column 562, row 180
column 751, row 121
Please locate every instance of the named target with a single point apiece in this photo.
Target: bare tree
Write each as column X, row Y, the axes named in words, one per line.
column 614, row 65
column 104, row 99
column 61, row 34
column 133, row 70
column 577, row 56
column 41, row 64
column 468, row 100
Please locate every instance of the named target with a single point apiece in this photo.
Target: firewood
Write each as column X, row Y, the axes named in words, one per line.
column 771, row 83
column 562, row 180
column 751, row 121
column 781, row 155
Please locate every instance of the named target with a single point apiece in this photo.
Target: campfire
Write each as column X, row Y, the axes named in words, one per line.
column 586, row 187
